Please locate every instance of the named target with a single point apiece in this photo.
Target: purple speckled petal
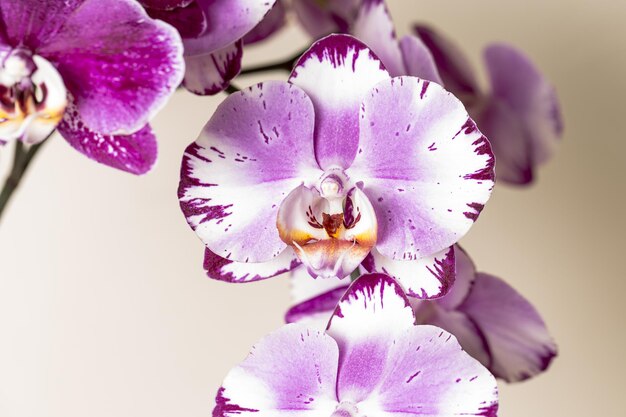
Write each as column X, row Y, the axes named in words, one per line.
column 226, row 270
column 320, row 18
column 426, row 168
column 418, row 60
column 454, row 67
column 120, row 65
column 464, row 279
column 390, row 367
column 316, row 311
column 228, row 21
column 518, row 340
column 134, row 153
column 375, row 28
column 209, row 74
column 425, row 278
column 257, row 147
column 291, row 372
column 337, row 72
column 516, row 81
column 273, row 21
column 32, row 23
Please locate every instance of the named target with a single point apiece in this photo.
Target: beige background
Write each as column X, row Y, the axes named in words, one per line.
column 105, row 311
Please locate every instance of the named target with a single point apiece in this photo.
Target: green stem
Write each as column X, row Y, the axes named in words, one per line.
column 21, row 161
column 286, row 65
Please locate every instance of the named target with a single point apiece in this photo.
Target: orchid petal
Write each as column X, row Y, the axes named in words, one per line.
column 303, row 287
column 211, row 73
column 166, row 4
column 256, row 148
column 223, row 269
column 291, row 372
column 516, row 81
column 320, row 18
column 188, row 19
column 519, row 342
column 273, row 21
column 228, row 21
column 135, row 153
column 425, row 278
column 337, row 72
column 375, row 28
column 464, row 279
column 426, row 168
column 453, row 66
column 316, row 312
column 120, row 66
column 418, row 60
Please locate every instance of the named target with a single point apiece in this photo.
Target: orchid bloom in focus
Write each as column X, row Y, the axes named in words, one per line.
column 521, row 114
column 340, row 162
column 212, row 32
column 492, row 322
column 371, row 361
column 98, row 70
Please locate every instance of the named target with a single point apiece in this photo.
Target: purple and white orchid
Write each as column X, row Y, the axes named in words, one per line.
column 212, row 32
column 491, row 321
column 371, row 361
column 339, row 162
column 521, row 113
column 98, row 70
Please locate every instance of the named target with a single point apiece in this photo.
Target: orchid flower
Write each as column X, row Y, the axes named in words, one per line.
column 212, row 32
column 520, row 114
column 98, row 70
column 492, row 322
column 371, row 361
column 339, row 162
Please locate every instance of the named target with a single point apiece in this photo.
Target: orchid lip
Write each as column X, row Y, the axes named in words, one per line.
column 33, row 97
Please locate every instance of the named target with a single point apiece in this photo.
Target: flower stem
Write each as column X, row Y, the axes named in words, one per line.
column 21, row 160
column 286, row 65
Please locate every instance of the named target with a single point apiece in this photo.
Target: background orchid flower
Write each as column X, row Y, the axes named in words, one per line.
column 97, row 69
column 371, row 361
column 212, row 32
column 520, row 114
column 339, row 162
column 492, row 322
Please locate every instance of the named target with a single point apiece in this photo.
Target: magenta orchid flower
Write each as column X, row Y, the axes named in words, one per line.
column 371, row 361
column 98, row 70
column 212, row 32
column 492, row 322
column 340, row 162
column 521, row 113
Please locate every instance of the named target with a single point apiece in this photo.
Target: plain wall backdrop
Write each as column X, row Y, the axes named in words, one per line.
column 105, row 310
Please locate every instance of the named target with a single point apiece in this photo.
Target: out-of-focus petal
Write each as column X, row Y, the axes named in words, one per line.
column 316, row 311
column 292, row 372
column 454, row 67
column 228, row 21
column 273, row 21
column 519, row 342
column 516, row 81
column 135, row 153
column 223, row 269
column 374, row 27
column 426, row 168
column 320, row 18
column 120, row 65
column 428, row 277
column 211, row 73
column 418, row 60
column 189, row 20
column 165, row 4
column 256, row 148
column 464, row 279
column 337, row 72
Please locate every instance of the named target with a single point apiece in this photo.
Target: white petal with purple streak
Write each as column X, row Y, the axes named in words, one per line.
column 211, row 73
column 223, row 269
column 256, row 148
column 426, row 168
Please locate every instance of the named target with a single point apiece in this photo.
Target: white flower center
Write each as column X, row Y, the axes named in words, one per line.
column 345, row 409
column 32, row 97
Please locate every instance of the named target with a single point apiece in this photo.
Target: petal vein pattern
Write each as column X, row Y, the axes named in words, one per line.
column 256, row 148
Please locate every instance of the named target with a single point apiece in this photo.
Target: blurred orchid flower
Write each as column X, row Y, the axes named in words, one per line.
column 212, row 32
column 339, row 162
column 371, row 361
column 492, row 322
column 97, row 69
column 520, row 115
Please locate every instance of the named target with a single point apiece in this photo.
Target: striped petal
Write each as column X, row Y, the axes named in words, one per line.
column 223, row 269
column 211, row 73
